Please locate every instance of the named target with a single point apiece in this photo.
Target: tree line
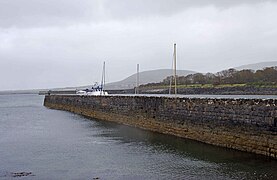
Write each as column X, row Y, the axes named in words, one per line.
column 267, row 76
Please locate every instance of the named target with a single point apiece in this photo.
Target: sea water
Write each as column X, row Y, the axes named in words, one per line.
column 41, row 143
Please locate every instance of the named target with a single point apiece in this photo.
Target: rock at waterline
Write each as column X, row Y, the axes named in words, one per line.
column 16, row 174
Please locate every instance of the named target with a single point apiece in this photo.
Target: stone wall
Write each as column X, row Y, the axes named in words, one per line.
column 242, row 124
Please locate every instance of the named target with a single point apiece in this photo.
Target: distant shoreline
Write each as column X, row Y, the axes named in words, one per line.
column 18, row 92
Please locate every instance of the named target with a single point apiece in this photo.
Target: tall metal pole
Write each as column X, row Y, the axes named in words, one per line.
column 104, row 76
column 137, row 79
column 175, row 74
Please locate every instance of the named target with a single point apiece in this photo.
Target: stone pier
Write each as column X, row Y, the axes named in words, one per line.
column 244, row 124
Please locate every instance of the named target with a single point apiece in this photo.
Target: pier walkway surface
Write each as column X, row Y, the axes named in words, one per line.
column 201, row 96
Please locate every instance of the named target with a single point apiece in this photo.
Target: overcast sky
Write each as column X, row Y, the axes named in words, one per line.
column 58, row 43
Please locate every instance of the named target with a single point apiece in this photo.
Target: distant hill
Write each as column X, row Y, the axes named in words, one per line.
column 155, row 76
column 152, row 76
column 145, row 77
column 257, row 66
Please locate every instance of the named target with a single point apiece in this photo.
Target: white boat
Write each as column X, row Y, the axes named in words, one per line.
column 96, row 90
column 92, row 93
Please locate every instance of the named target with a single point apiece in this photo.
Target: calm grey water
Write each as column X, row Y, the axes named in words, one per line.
column 55, row 144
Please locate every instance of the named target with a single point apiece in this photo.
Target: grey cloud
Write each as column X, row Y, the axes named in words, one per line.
column 65, row 45
column 125, row 9
column 41, row 13
column 33, row 13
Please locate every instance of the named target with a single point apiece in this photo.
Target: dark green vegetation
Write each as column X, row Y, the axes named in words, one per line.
column 226, row 78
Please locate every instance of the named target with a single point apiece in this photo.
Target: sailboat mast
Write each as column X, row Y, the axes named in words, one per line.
column 104, row 75
column 103, row 79
column 137, row 79
column 175, row 74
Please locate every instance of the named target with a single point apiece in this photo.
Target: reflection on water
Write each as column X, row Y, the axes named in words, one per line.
column 60, row 145
column 231, row 163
